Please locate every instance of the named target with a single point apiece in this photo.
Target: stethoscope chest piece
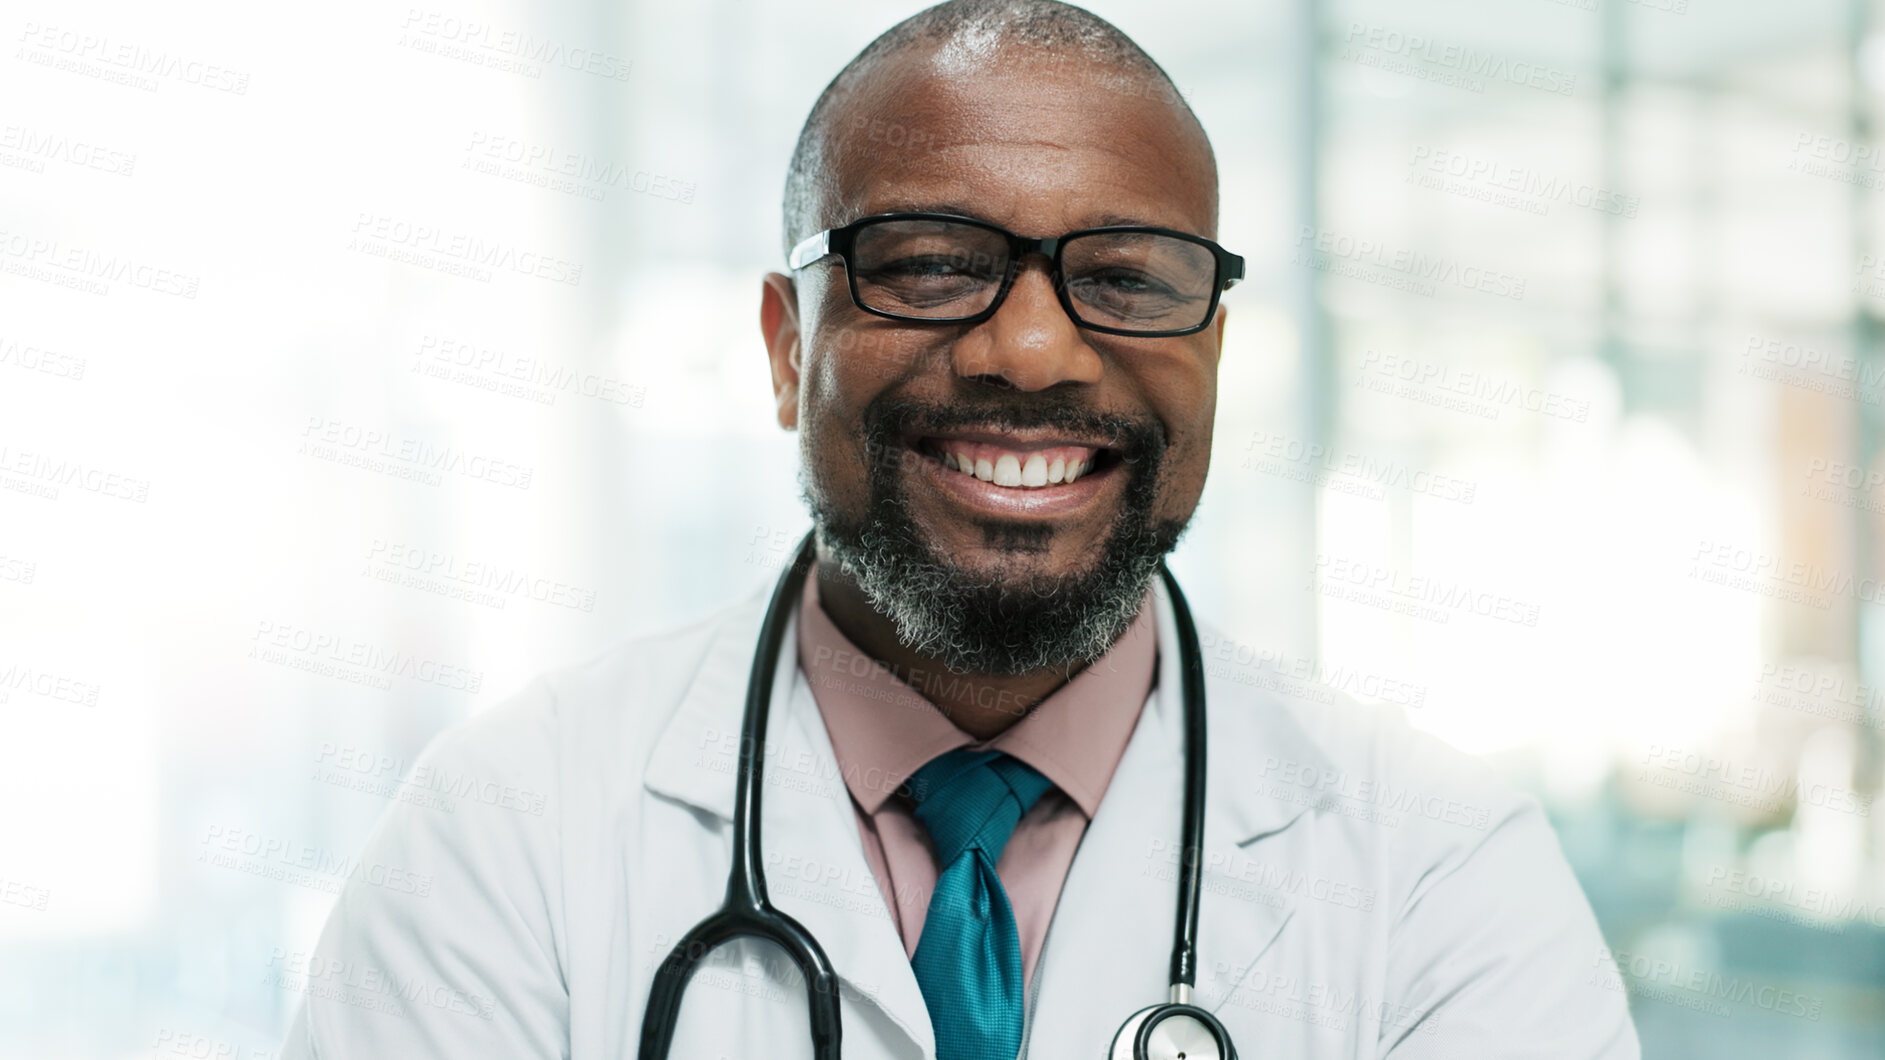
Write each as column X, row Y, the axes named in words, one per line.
column 1172, row 1032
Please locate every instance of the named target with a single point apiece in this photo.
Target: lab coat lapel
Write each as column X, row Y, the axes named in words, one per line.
column 1250, row 892
column 1108, row 952
column 813, row 855
column 709, row 714
column 833, row 891
column 1109, row 943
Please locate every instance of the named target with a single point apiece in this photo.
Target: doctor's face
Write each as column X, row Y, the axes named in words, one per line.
column 1109, row 435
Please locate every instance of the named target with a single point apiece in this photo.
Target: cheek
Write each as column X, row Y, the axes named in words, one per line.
column 1186, row 399
column 831, row 419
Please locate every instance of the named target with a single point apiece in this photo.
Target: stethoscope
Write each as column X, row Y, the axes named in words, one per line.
column 1175, row 1030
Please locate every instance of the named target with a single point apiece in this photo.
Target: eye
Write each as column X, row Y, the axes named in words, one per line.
column 1123, row 282
column 921, row 267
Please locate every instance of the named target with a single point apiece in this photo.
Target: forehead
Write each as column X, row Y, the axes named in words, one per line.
column 1038, row 141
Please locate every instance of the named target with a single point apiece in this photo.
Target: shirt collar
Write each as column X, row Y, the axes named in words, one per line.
column 882, row 729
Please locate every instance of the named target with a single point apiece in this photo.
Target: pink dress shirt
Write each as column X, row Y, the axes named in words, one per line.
column 882, row 730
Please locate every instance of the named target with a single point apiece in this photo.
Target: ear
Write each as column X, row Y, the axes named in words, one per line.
column 779, row 323
column 1223, row 315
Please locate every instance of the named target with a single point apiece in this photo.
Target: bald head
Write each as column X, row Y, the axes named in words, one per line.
column 956, row 41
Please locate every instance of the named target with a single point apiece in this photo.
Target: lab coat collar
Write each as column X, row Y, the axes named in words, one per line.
column 1256, row 743
column 712, row 709
column 811, row 850
column 1257, row 749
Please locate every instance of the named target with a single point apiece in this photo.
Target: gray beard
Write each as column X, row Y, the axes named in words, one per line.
column 998, row 626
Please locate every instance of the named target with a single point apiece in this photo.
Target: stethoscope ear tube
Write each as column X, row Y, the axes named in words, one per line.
column 1191, row 875
column 746, row 910
column 1179, row 1030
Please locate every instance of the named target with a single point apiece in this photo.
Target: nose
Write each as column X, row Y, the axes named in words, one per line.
column 1030, row 343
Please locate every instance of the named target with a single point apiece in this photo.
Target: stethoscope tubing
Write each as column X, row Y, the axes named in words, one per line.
column 1191, row 876
column 747, row 911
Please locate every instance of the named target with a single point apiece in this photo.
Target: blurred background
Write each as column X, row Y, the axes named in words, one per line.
column 359, row 362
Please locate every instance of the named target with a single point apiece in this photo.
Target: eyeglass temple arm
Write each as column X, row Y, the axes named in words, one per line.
column 809, row 250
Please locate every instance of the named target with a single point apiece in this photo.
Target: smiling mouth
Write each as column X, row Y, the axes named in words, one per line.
column 1014, row 464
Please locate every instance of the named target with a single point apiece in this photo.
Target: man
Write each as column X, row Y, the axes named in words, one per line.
column 1000, row 439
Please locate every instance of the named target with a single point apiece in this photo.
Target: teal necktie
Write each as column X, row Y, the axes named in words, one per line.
column 968, row 960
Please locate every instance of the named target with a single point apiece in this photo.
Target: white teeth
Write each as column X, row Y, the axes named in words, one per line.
column 1017, row 469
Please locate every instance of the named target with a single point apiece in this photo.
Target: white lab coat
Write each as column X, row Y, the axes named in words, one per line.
column 1370, row 892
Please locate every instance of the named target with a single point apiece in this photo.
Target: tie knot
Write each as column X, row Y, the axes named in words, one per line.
column 973, row 800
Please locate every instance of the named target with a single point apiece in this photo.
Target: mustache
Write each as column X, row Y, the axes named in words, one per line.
column 888, row 420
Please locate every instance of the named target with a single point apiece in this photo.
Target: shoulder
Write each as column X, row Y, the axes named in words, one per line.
column 1362, row 768
column 1491, row 945
column 603, row 711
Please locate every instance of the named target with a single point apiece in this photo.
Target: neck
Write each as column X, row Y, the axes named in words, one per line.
column 982, row 705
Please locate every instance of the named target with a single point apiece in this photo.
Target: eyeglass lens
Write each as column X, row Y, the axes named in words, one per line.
column 945, row 270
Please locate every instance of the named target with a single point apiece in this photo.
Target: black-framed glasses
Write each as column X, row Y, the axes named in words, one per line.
column 942, row 269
